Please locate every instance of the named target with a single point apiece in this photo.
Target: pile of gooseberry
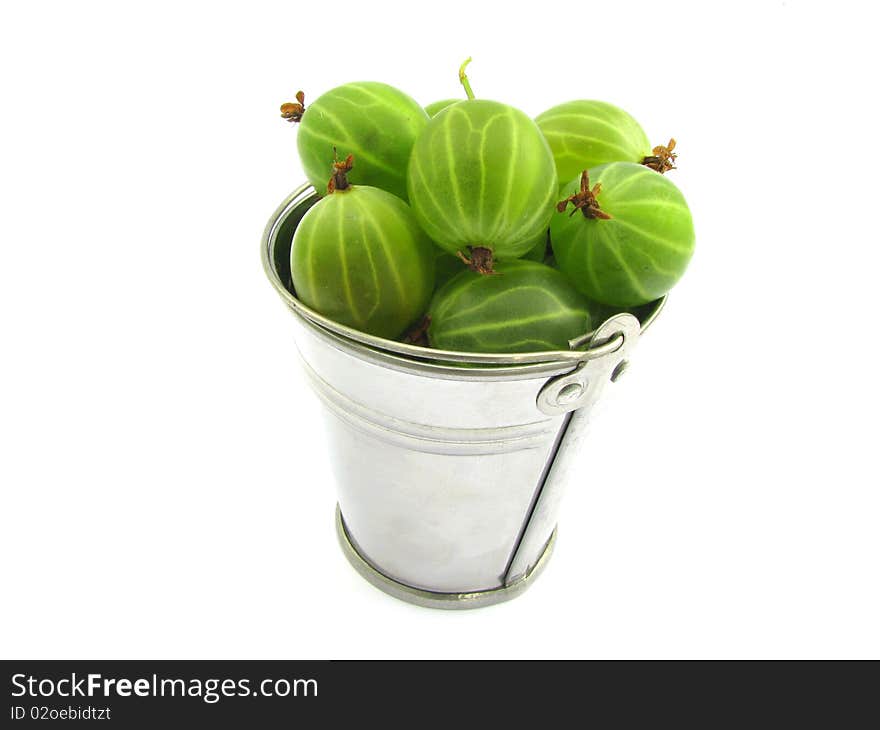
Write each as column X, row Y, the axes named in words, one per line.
column 467, row 225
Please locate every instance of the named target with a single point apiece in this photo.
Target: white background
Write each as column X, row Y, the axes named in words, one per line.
column 165, row 485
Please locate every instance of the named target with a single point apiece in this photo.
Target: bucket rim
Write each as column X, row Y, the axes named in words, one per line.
column 417, row 355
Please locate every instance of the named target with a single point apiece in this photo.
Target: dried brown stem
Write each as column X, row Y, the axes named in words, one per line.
column 339, row 178
column 662, row 158
column 418, row 333
column 293, row 111
column 585, row 200
column 480, row 260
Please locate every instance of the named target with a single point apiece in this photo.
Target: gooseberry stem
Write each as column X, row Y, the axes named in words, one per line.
column 293, row 112
column 462, row 77
column 480, row 259
column 418, row 333
column 339, row 180
column 585, row 200
column 662, row 158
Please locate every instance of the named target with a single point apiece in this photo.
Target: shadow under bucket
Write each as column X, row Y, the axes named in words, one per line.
column 449, row 466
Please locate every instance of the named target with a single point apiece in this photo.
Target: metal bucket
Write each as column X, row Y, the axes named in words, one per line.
column 449, row 466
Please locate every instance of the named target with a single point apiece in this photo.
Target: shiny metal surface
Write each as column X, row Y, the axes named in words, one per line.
column 448, row 476
column 431, row 599
column 435, row 476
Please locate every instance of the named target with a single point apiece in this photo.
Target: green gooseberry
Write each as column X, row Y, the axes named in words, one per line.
column 360, row 258
column 375, row 122
column 585, row 133
column 481, row 176
column 524, row 307
column 628, row 239
column 482, row 180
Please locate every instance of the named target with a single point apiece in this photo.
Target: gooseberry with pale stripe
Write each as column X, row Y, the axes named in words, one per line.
column 524, row 307
column 587, row 133
column 640, row 251
column 375, row 122
column 360, row 258
column 481, row 176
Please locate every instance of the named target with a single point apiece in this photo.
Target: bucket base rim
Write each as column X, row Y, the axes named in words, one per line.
column 431, row 599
